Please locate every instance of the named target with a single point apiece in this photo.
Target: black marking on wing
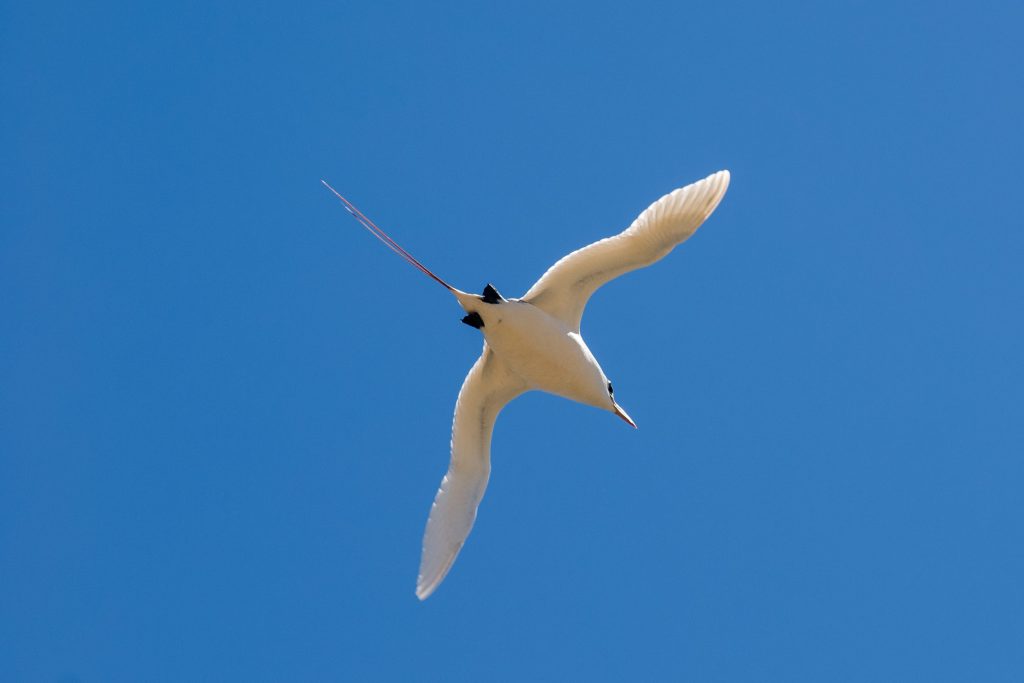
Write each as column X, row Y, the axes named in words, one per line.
column 491, row 295
column 474, row 320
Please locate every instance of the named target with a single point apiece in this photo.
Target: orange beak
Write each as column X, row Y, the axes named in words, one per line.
column 625, row 416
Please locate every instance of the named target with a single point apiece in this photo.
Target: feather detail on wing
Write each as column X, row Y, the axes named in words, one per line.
column 563, row 291
column 487, row 388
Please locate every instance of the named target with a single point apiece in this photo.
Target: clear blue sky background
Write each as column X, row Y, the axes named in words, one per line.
column 225, row 408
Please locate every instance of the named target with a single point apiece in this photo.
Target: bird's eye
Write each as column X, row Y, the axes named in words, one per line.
column 610, row 390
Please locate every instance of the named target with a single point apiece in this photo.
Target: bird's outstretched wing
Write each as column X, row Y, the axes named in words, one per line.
column 564, row 289
column 488, row 387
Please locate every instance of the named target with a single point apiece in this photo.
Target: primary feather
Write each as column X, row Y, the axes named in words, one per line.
column 563, row 291
column 488, row 387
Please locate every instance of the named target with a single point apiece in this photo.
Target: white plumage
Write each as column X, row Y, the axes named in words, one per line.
column 535, row 343
column 563, row 291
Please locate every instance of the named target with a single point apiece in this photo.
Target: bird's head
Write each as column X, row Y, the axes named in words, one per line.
column 617, row 409
column 595, row 388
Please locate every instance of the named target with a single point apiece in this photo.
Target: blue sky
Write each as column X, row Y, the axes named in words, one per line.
column 225, row 408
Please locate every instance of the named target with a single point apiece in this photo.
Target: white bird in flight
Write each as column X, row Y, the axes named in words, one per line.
column 534, row 342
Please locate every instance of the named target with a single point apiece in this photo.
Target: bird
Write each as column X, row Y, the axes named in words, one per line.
column 534, row 343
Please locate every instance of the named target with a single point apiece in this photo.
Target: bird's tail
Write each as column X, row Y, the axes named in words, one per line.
column 383, row 237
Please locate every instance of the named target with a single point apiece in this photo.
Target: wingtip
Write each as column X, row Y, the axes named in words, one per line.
column 717, row 184
column 425, row 587
column 424, row 591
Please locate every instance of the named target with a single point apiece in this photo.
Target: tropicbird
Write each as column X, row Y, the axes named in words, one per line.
column 532, row 343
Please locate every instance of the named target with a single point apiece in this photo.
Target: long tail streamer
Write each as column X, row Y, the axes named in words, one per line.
column 383, row 237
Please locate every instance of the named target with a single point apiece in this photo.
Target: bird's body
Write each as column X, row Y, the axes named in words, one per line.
column 534, row 343
column 540, row 349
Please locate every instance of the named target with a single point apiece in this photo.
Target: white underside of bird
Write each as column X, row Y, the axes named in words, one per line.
column 534, row 343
